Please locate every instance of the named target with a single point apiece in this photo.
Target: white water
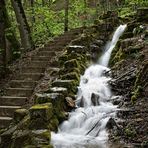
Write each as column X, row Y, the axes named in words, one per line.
column 86, row 126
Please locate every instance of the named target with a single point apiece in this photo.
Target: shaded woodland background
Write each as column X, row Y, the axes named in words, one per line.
column 28, row 24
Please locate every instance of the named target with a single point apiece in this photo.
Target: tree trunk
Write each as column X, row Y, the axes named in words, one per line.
column 2, row 34
column 24, row 28
column 32, row 8
column 66, row 15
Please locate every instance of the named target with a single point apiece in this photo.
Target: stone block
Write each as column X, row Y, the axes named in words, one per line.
column 48, row 97
column 19, row 114
column 41, row 111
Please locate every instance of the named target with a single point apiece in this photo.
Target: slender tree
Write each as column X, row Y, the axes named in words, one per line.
column 24, row 28
column 66, row 15
column 8, row 39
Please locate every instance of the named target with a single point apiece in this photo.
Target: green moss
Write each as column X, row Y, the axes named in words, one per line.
column 54, row 123
column 40, row 113
column 130, row 132
column 135, row 94
column 19, row 114
column 38, row 123
column 71, row 76
column 141, row 81
column 71, row 63
column 77, row 70
column 71, row 85
column 118, row 56
column 63, row 58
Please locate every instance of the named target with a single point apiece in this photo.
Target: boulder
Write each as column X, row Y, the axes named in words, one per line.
column 76, row 49
column 70, row 102
column 40, row 115
column 95, row 99
column 48, row 97
column 71, row 76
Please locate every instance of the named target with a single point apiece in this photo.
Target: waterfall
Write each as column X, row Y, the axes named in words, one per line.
column 86, row 126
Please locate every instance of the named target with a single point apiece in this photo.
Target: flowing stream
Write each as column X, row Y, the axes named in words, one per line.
column 86, row 126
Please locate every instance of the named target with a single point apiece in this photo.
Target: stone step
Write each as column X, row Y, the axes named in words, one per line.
column 40, row 58
column 31, row 69
column 38, row 64
column 29, row 76
column 5, row 121
column 8, row 111
column 47, row 53
column 49, row 47
column 19, row 92
column 22, row 84
column 10, row 100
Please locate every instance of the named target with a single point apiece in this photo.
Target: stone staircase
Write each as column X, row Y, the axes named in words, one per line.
column 22, row 85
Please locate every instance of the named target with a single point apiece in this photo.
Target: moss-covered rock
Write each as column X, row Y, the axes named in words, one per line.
column 19, row 114
column 44, row 111
column 71, row 63
column 54, row 123
column 40, row 115
column 71, row 76
column 71, row 85
column 48, row 97
column 76, row 49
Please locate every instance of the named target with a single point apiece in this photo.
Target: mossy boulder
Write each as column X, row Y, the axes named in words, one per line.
column 40, row 115
column 63, row 71
column 19, row 114
column 57, row 99
column 30, row 138
column 71, row 63
column 48, row 97
column 41, row 137
column 71, row 76
column 76, row 49
column 71, row 85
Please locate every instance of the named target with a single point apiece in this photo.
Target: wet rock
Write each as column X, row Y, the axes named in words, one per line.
column 19, row 114
column 80, row 102
column 117, row 100
column 70, row 102
column 111, row 124
column 95, row 99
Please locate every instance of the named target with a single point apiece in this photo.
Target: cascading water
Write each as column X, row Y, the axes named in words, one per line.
column 86, row 126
